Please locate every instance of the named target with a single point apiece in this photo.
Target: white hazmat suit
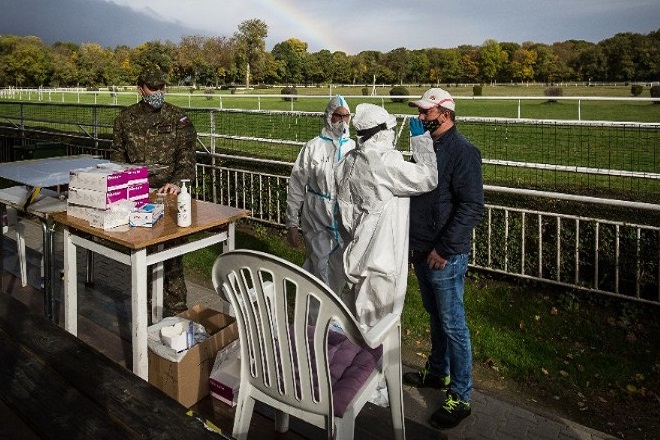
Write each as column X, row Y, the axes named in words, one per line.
column 374, row 183
column 311, row 197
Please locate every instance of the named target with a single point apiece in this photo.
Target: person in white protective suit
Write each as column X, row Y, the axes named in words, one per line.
column 311, row 202
column 373, row 185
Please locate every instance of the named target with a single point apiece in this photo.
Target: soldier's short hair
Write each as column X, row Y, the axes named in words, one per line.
column 152, row 77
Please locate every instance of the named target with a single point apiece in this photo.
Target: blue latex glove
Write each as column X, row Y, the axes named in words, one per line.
column 416, row 127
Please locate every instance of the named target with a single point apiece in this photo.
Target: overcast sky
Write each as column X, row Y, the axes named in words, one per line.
column 349, row 26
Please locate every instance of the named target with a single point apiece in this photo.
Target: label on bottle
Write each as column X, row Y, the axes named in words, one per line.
column 183, row 214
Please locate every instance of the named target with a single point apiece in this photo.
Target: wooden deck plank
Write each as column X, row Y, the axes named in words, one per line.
column 51, row 406
column 12, row 426
column 54, row 376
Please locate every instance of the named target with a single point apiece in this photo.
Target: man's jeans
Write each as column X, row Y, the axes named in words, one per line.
column 442, row 295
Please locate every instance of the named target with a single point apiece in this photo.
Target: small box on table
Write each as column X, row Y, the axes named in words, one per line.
column 146, row 215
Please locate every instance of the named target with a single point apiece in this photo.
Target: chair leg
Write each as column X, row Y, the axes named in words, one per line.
column 395, row 394
column 20, row 245
column 344, row 427
column 242, row 417
column 281, row 421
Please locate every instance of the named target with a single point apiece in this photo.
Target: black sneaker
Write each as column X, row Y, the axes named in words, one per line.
column 450, row 414
column 425, row 379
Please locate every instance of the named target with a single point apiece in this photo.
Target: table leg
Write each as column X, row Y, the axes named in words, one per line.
column 230, row 244
column 139, row 312
column 157, row 290
column 70, row 285
column 3, row 212
column 48, row 229
column 89, row 280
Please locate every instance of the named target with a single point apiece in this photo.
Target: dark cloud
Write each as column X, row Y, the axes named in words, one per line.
column 85, row 21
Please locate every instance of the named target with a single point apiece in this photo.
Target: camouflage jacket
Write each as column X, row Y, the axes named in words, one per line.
column 165, row 137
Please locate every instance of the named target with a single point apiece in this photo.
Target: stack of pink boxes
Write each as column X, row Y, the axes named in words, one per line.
column 103, row 194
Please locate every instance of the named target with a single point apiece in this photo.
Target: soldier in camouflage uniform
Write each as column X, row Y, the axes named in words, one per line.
column 154, row 132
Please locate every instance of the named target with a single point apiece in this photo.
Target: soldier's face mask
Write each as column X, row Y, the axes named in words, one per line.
column 155, row 100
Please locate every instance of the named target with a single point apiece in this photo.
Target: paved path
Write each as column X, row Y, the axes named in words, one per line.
column 491, row 419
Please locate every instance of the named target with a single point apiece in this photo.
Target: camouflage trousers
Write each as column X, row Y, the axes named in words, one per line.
column 174, row 287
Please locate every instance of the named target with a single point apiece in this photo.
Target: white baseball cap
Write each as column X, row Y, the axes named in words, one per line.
column 433, row 98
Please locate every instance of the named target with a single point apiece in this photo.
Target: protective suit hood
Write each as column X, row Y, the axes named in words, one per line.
column 374, row 126
column 340, row 130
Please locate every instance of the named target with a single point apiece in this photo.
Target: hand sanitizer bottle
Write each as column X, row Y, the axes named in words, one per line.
column 184, row 215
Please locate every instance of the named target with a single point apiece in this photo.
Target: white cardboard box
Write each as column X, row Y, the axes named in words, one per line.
column 79, row 211
column 225, row 377
column 98, row 179
column 107, row 219
column 95, row 199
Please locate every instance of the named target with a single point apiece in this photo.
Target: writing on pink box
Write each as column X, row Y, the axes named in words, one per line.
column 115, row 195
column 138, row 191
column 137, row 175
column 141, row 201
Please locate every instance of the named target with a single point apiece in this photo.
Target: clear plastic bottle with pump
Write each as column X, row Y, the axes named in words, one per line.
column 184, row 214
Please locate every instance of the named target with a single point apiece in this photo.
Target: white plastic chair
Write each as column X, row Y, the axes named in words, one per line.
column 285, row 360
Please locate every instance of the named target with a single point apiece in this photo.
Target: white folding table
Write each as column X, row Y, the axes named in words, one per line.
column 52, row 172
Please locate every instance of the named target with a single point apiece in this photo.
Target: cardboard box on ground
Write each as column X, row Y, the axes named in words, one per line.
column 225, row 377
column 187, row 381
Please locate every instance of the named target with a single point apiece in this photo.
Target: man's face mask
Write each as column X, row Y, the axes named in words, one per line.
column 431, row 125
column 155, row 100
column 339, row 128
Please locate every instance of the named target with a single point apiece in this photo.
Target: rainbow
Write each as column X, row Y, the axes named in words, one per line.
column 303, row 26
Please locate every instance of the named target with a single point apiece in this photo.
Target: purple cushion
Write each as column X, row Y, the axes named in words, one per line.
column 350, row 366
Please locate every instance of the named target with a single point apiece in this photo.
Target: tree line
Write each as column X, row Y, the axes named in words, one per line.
column 242, row 59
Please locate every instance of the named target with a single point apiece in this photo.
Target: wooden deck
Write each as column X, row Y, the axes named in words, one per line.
column 59, row 387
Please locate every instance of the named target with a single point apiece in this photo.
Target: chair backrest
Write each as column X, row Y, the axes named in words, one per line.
column 284, row 314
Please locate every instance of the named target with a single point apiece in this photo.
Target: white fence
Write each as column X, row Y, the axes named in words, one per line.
column 589, row 253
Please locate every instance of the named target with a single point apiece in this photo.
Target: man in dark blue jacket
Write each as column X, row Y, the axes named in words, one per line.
column 441, row 224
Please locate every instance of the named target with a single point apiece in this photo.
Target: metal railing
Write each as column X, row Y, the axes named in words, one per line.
column 595, row 255
column 584, row 252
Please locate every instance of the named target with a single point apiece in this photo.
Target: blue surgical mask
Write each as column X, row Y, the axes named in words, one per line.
column 155, row 100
